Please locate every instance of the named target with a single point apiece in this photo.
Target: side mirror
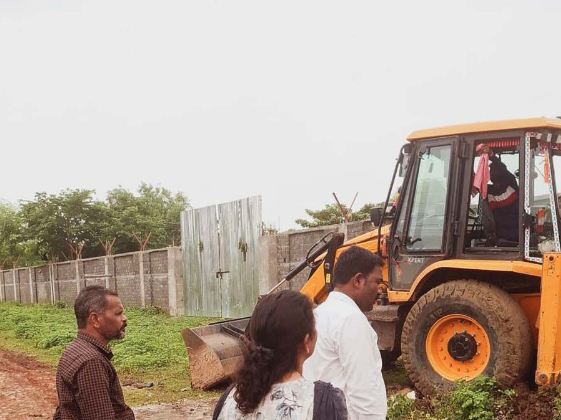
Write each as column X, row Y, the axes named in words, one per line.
column 376, row 215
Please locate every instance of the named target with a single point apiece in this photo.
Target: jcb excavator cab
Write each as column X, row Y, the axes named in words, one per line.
column 441, row 214
column 477, row 210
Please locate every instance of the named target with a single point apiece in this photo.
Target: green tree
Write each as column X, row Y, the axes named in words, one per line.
column 63, row 225
column 103, row 230
column 14, row 249
column 331, row 215
column 10, row 231
column 147, row 219
column 73, row 224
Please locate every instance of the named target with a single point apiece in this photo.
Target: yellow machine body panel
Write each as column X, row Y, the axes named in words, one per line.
column 520, row 267
column 548, row 369
column 484, row 127
column 530, row 304
column 315, row 288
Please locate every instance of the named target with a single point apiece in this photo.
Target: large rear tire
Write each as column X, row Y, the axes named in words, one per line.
column 463, row 329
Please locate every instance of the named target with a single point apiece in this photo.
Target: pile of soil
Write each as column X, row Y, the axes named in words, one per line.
column 533, row 405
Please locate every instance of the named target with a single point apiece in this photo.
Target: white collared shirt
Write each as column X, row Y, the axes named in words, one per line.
column 347, row 356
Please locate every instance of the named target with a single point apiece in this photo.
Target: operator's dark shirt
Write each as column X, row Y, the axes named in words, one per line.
column 87, row 383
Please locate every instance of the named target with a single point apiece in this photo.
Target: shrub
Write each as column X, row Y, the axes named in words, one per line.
column 399, row 407
column 473, row 400
column 27, row 329
column 56, row 339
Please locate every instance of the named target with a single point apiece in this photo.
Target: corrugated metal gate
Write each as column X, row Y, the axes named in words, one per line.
column 219, row 244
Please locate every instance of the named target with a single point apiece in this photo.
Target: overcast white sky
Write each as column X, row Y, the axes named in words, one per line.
column 292, row 100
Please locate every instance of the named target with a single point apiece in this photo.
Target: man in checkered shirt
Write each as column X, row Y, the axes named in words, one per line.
column 86, row 381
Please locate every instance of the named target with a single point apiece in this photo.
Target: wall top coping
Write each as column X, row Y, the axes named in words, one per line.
column 148, row 251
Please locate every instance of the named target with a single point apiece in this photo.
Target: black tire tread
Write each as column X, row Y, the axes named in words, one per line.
column 513, row 330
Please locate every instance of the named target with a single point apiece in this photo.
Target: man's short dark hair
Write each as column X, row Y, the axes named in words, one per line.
column 355, row 260
column 90, row 299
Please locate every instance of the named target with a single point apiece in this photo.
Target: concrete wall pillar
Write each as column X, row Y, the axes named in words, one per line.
column 52, row 282
column 2, row 287
column 343, row 228
column 77, row 276
column 141, row 271
column 112, row 273
column 268, row 264
column 175, row 305
column 179, row 282
column 16, row 288
column 31, row 288
column 106, row 271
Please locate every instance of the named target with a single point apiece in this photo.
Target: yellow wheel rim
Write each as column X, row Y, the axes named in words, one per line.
column 458, row 347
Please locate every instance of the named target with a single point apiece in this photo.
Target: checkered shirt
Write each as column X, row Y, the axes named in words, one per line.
column 87, row 384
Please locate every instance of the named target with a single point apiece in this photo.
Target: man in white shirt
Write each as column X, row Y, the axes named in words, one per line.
column 346, row 353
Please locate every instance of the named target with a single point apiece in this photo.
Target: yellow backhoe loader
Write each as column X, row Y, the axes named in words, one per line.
column 470, row 236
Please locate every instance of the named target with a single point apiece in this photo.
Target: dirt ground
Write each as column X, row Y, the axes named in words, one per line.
column 27, row 388
column 27, row 391
column 186, row 409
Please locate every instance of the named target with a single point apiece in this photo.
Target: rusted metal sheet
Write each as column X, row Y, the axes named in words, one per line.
column 219, row 245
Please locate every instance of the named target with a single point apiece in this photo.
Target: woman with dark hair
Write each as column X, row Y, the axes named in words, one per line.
column 269, row 384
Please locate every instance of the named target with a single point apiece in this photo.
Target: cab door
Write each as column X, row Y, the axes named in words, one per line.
column 422, row 233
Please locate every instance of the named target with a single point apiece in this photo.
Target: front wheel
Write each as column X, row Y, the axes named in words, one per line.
column 463, row 329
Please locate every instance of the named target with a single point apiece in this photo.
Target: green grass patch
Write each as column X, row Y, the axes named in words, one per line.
column 152, row 351
column 479, row 399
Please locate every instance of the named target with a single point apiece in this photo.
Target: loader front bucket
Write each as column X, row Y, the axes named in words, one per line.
column 214, row 351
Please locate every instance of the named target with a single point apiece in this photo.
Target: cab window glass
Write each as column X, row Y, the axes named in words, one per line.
column 545, row 164
column 493, row 212
column 426, row 227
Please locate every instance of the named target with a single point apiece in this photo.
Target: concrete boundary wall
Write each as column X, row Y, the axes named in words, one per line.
column 148, row 278
column 280, row 253
column 155, row 277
